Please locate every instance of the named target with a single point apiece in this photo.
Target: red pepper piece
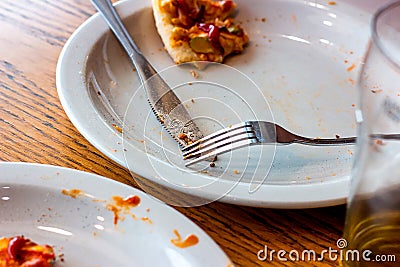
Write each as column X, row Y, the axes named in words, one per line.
column 212, row 30
column 15, row 245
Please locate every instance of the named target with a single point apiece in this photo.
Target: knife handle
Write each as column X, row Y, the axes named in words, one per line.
column 161, row 97
column 107, row 10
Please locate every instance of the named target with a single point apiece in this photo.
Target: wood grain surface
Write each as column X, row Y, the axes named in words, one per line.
column 35, row 128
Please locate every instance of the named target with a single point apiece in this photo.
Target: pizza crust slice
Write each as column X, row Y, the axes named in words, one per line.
column 198, row 30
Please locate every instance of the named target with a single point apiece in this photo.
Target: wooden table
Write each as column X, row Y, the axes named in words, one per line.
column 34, row 128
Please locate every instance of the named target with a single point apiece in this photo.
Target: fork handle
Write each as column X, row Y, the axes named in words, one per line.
column 325, row 141
column 341, row 141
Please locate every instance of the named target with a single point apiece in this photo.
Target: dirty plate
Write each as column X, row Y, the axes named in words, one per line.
column 299, row 70
column 83, row 217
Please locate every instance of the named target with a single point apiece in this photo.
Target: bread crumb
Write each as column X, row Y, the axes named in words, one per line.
column 194, row 73
column 116, row 127
column 352, row 67
column 379, row 142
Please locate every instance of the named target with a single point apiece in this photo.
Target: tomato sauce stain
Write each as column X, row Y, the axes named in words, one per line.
column 189, row 241
column 122, row 205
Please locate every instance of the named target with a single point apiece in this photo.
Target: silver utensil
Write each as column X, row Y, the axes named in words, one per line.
column 165, row 104
column 256, row 133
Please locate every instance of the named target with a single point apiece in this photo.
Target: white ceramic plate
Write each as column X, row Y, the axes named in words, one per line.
column 300, row 70
column 83, row 230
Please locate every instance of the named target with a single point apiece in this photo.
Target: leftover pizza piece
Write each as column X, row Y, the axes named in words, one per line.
column 19, row 251
column 198, row 30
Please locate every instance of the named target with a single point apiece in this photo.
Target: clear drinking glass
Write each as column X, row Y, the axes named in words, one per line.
column 372, row 228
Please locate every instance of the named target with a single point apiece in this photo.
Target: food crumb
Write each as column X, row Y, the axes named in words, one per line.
column 379, row 142
column 194, row 73
column 337, row 136
column 146, row 220
column 332, row 3
column 352, row 67
column 236, row 172
column 352, row 81
column 263, row 19
column 116, row 127
column 294, row 19
column 72, row 192
column 212, row 164
column 377, row 91
column 185, row 138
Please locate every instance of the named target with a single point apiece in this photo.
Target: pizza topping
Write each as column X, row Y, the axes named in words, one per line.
column 206, row 26
column 201, row 44
column 19, row 251
column 14, row 246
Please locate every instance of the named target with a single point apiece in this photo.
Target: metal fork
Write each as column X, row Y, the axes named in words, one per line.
column 256, row 133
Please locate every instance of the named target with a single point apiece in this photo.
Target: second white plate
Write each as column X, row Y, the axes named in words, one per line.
column 82, row 216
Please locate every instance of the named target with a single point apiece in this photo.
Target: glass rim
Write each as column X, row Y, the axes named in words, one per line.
column 376, row 39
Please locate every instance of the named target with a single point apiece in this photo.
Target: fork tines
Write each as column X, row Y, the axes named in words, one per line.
column 222, row 141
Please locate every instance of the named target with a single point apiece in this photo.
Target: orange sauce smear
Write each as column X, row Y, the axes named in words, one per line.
column 144, row 219
column 74, row 193
column 351, row 67
column 128, row 202
column 189, row 241
column 122, row 204
column 119, row 204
